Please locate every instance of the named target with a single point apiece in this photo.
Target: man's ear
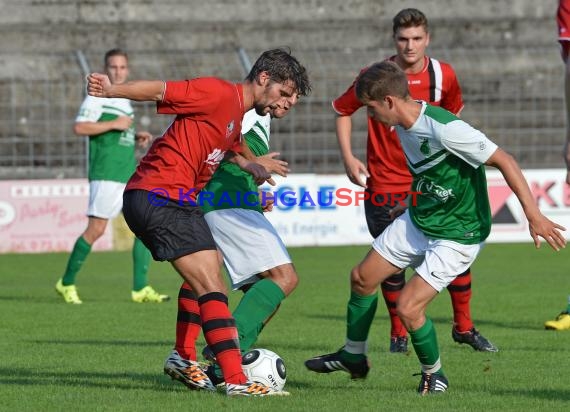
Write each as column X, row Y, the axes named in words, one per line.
column 263, row 78
column 389, row 101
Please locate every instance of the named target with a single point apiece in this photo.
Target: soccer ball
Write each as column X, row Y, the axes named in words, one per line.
column 264, row 366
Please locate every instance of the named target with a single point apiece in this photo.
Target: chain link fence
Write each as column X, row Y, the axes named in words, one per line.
column 515, row 96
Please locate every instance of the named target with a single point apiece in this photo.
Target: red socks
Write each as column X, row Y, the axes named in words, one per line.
column 188, row 324
column 391, row 289
column 221, row 335
column 460, row 292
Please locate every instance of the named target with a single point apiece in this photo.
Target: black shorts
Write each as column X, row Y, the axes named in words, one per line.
column 168, row 228
column 377, row 210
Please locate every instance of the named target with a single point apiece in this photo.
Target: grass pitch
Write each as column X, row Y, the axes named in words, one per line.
column 107, row 354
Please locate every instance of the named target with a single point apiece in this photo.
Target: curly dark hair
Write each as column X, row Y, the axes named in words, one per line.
column 282, row 67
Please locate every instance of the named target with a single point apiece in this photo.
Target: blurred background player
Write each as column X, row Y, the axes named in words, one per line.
column 254, row 255
column 387, row 175
column 160, row 198
column 563, row 21
column 562, row 321
column 109, row 125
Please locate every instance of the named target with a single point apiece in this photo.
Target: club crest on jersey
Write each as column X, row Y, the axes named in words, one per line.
column 424, row 148
column 230, row 129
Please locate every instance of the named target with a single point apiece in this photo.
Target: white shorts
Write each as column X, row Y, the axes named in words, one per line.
column 249, row 243
column 437, row 261
column 105, row 198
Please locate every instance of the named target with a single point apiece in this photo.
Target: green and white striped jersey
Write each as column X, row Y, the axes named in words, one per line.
column 111, row 154
column 445, row 156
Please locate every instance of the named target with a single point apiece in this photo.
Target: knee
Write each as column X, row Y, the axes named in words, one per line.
column 285, row 277
column 92, row 234
column 359, row 283
column 412, row 314
column 406, row 311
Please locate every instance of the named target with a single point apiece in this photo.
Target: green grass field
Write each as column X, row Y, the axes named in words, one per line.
column 107, row 354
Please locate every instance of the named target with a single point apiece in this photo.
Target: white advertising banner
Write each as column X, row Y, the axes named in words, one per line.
column 550, row 191
column 318, row 210
column 310, row 210
column 45, row 216
column 306, row 214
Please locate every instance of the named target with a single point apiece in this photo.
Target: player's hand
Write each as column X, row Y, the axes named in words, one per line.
column 541, row 226
column 143, row 139
column 397, row 211
column 273, row 165
column 122, row 123
column 355, row 170
column 260, row 175
column 267, row 200
column 98, row 84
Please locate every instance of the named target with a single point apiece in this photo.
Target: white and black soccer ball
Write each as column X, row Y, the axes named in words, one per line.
column 265, row 366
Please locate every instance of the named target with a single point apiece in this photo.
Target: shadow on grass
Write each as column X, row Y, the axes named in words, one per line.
column 440, row 321
column 166, row 344
column 547, row 394
column 110, row 380
column 28, row 298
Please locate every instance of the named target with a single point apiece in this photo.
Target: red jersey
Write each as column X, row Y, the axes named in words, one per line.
column 435, row 84
column 207, row 124
column 563, row 22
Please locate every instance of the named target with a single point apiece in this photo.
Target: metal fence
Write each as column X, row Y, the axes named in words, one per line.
column 514, row 96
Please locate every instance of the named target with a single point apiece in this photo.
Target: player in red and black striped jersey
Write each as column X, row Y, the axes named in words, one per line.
column 562, row 321
column 563, row 22
column 387, row 174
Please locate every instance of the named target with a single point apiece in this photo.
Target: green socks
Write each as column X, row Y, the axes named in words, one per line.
column 424, row 340
column 78, row 255
column 260, row 301
column 141, row 261
column 359, row 317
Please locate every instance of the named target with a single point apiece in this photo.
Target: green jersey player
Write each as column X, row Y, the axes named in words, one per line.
column 109, row 124
column 441, row 233
column 254, row 255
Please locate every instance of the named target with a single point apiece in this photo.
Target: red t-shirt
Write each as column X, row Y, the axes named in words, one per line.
column 563, row 22
column 207, row 124
column 435, row 84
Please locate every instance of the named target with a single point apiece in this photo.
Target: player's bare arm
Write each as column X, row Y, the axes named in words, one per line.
column 99, row 85
column 95, row 128
column 539, row 225
column 259, row 173
column 274, row 165
column 355, row 169
column 143, row 139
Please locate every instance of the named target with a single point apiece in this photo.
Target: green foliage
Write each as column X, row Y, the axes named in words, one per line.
column 107, row 354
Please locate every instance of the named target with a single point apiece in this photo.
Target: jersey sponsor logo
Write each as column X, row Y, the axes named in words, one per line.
column 429, row 188
column 215, row 157
column 213, row 160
